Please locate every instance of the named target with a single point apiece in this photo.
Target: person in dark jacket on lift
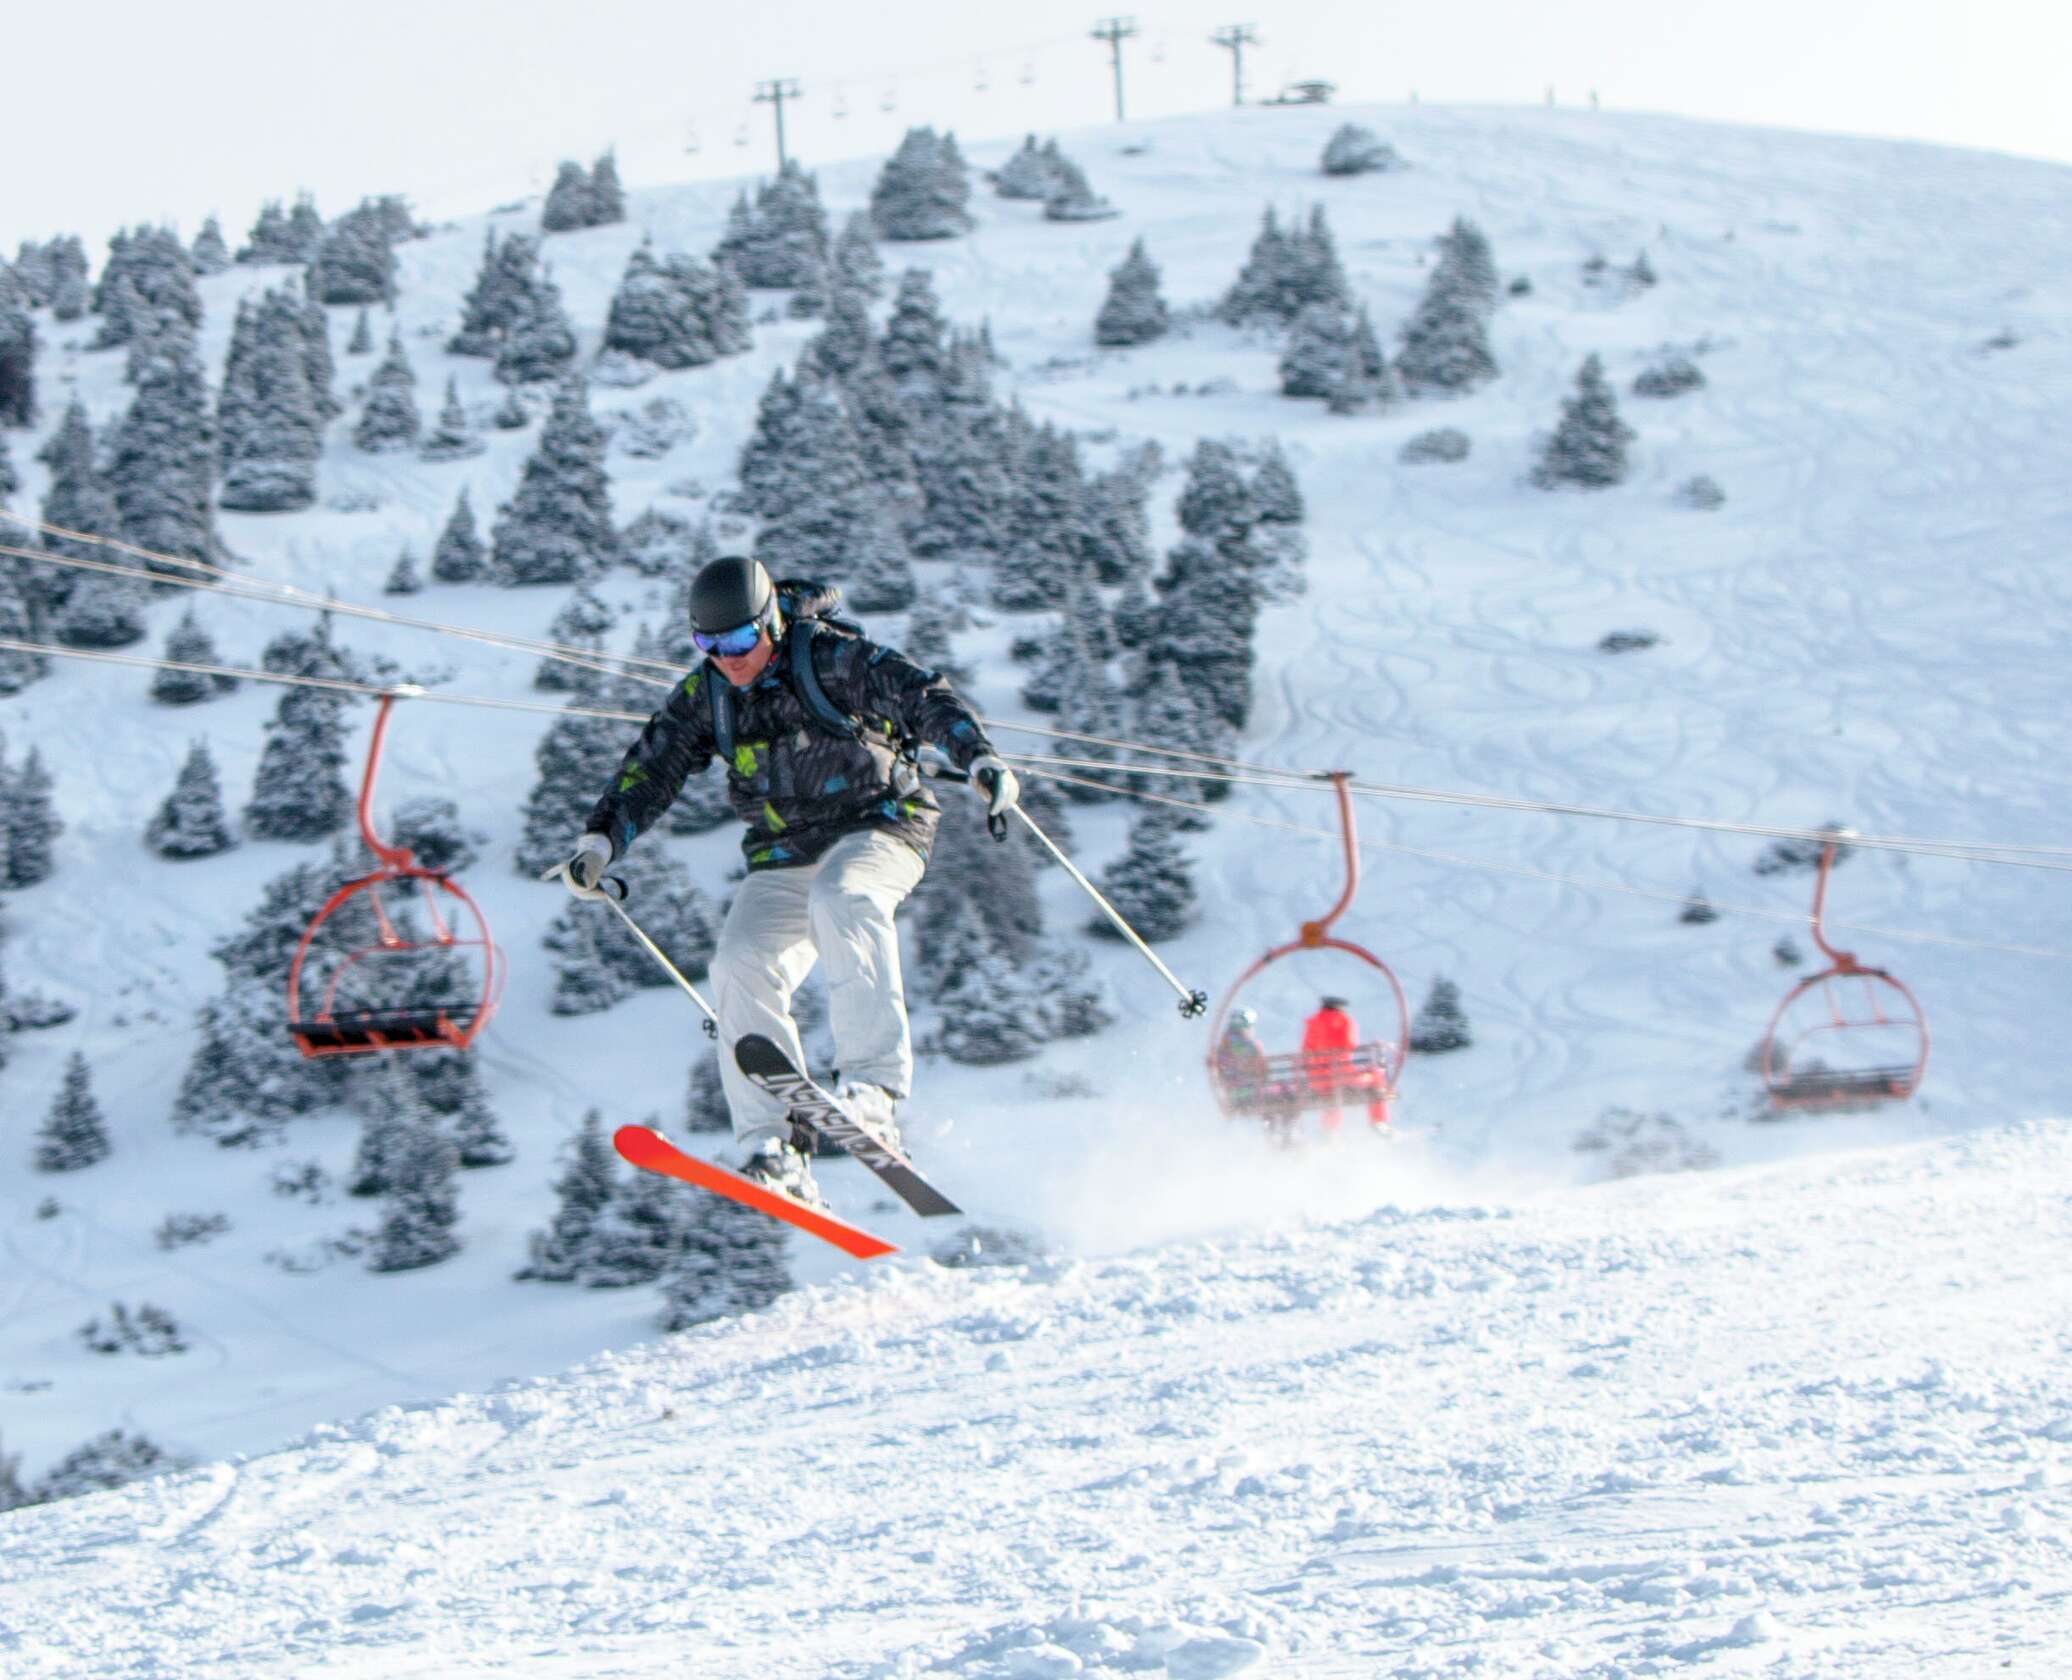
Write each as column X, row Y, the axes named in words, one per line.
column 816, row 726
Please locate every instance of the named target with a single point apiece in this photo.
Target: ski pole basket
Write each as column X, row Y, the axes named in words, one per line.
column 1850, row 1036
column 1282, row 1086
column 398, row 959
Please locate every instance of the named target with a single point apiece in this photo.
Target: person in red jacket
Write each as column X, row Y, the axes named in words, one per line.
column 1328, row 1039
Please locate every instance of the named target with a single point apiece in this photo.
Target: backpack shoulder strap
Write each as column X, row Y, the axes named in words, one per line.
column 806, row 683
column 721, row 695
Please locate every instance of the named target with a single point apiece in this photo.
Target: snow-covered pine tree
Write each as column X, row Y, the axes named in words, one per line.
column 922, row 191
column 967, row 871
column 1206, row 623
column 1051, row 528
column 656, row 313
column 299, row 790
column 458, row 556
column 1445, row 342
column 962, row 464
column 1171, row 714
column 19, row 619
column 422, row 1205
column 1032, row 173
column 1093, row 706
column 74, row 1133
column 583, row 621
column 1133, row 312
column 32, row 823
column 1215, row 504
column 846, row 344
column 987, row 1019
column 1073, row 199
column 1441, row 1023
column 108, row 1461
column 268, row 240
column 640, row 1235
column 355, row 261
column 585, row 983
column 78, row 499
column 192, row 822
column 574, row 757
column 557, row 528
column 1321, row 354
column 809, row 300
column 431, row 829
column 10, row 480
column 390, row 420
column 452, row 437
column 1588, row 447
column 404, row 577
column 362, row 341
column 272, row 427
column 569, row 199
column 13, row 1495
column 318, row 364
column 783, row 241
column 148, row 274
column 162, row 463
column 1367, row 381
column 68, row 288
column 449, row 1085
column 32, row 272
column 540, row 344
column 855, row 263
column 304, row 231
column 586, row 1188
column 607, row 193
column 387, row 1104
column 914, row 350
column 1354, row 150
column 189, row 644
column 103, row 611
column 246, row 1077
column 733, row 1262
column 1264, row 284
column 1467, row 265
column 1151, row 884
column 501, row 298
column 17, row 355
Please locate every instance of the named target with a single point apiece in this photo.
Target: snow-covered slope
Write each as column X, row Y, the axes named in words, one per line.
column 1870, row 629
column 1804, row 1420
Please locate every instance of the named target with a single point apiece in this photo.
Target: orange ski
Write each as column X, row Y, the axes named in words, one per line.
column 652, row 1152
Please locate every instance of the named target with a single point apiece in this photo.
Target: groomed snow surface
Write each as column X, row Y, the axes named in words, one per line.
column 1800, row 1420
column 1428, row 1407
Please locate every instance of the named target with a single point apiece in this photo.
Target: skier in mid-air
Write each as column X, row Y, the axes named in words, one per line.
column 817, row 727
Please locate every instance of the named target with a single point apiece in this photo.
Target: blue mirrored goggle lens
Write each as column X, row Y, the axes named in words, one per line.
column 729, row 644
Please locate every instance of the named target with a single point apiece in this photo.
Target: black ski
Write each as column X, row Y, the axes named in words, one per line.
column 766, row 1064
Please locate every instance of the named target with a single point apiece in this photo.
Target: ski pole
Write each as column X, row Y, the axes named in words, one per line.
column 616, row 901
column 1193, row 1004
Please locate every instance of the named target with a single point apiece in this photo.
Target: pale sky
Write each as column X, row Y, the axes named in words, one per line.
column 124, row 112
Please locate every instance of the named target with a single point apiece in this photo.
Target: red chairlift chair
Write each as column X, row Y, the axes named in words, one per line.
column 1290, row 1084
column 365, row 933
column 1864, row 1017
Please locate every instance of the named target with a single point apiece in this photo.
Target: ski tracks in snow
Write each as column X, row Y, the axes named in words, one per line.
column 1594, row 1438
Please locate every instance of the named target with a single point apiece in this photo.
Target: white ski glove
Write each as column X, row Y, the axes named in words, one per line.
column 1000, row 785
column 581, row 873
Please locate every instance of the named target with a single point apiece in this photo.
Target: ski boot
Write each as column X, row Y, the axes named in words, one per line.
column 784, row 1167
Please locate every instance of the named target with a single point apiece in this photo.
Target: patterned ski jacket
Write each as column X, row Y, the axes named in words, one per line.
column 798, row 786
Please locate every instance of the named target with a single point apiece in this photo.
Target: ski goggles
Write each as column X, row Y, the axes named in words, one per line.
column 729, row 644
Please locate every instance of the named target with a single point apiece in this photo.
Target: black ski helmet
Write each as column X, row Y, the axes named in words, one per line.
column 731, row 591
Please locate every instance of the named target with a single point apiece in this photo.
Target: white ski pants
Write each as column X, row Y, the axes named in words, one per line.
column 838, row 911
